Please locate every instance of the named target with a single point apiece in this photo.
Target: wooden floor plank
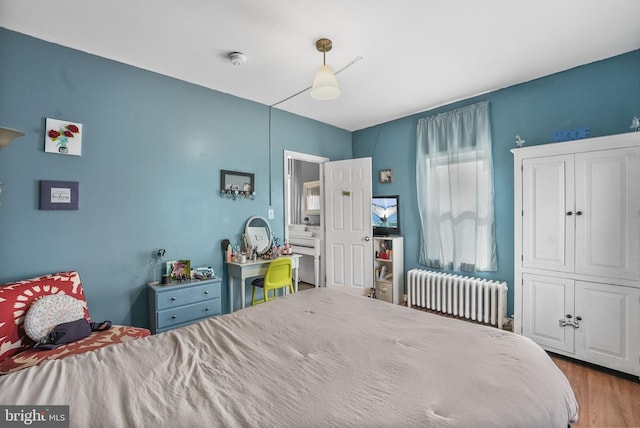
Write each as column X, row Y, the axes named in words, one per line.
column 607, row 399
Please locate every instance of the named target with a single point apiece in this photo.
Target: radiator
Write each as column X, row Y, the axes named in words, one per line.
column 475, row 299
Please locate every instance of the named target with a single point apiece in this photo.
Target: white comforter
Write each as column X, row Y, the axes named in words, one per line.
column 318, row 358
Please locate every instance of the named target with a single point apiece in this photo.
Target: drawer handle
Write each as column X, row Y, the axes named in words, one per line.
column 173, row 299
column 173, row 317
column 206, row 291
column 206, row 309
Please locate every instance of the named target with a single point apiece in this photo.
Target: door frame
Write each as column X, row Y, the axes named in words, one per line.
column 320, row 160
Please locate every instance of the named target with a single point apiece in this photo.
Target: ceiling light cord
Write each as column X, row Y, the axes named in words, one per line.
column 270, row 109
column 355, row 60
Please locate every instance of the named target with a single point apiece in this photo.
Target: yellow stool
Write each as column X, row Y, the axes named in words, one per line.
column 278, row 275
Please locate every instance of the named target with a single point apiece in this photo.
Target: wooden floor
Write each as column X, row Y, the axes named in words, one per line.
column 605, row 399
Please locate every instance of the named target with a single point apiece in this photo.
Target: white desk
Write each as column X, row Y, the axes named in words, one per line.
column 239, row 272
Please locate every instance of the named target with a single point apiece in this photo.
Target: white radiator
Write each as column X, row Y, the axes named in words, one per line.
column 460, row 296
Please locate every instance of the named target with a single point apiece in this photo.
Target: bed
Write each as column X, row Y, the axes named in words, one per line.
column 318, row 358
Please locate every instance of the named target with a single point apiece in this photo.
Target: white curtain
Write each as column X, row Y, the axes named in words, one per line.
column 454, row 174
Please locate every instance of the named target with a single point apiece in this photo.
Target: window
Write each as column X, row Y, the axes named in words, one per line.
column 454, row 173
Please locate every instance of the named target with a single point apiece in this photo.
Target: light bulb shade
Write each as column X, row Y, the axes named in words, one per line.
column 325, row 85
column 7, row 135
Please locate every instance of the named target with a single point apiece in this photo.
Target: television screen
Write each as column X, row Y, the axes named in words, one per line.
column 385, row 215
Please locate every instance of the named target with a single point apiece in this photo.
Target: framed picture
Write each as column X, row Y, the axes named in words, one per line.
column 58, row 195
column 178, row 270
column 63, row 137
column 231, row 181
column 385, row 176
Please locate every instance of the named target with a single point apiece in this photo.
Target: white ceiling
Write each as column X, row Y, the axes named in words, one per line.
column 416, row 54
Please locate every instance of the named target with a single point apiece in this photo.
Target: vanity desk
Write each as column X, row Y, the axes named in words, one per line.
column 239, row 272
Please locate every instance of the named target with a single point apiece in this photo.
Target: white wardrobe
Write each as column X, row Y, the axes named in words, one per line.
column 577, row 249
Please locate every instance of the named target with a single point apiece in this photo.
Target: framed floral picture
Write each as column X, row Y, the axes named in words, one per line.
column 63, row 137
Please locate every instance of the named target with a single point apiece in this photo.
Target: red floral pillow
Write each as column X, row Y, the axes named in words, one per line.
column 15, row 299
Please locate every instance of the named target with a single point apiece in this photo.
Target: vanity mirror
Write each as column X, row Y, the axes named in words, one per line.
column 257, row 234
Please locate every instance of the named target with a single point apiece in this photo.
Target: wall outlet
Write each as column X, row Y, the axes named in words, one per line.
column 271, row 215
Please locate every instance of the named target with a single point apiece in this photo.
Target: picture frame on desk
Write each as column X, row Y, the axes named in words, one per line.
column 178, row 270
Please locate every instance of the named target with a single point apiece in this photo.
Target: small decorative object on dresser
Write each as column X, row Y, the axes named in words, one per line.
column 176, row 305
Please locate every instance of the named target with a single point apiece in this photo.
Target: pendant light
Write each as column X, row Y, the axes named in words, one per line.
column 325, row 86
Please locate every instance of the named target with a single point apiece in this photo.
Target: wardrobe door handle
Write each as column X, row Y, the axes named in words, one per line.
column 578, row 212
column 570, row 213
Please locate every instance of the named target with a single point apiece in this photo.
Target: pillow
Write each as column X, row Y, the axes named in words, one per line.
column 49, row 311
column 16, row 298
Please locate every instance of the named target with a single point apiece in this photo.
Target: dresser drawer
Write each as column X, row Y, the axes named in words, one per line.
column 176, row 305
column 188, row 313
column 171, row 298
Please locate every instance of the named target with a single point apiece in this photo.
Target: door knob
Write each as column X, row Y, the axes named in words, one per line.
column 578, row 212
column 570, row 213
column 366, row 238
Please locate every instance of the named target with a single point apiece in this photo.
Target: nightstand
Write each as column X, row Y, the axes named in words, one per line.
column 179, row 304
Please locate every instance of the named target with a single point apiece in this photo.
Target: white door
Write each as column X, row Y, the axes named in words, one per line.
column 347, row 201
column 548, row 213
column 546, row 301
column 608, row 213
column 609, row 316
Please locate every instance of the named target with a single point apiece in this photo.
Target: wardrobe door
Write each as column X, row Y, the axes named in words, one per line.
column 547, row 302
column 609, row 316
column 547, row 213
column 608, row 213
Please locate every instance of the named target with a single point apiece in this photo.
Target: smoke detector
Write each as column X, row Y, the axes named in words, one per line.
column 237, row 58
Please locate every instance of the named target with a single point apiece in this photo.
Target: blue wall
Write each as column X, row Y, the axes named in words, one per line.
column 153, row 148
column 603, row 96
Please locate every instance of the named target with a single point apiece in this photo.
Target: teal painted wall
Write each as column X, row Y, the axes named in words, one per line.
column 153, row 148
column 603, row 96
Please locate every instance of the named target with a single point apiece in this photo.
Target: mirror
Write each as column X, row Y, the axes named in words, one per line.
column 257, row 234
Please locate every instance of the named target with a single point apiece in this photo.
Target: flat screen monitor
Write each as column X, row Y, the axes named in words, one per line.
column 385, row 215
